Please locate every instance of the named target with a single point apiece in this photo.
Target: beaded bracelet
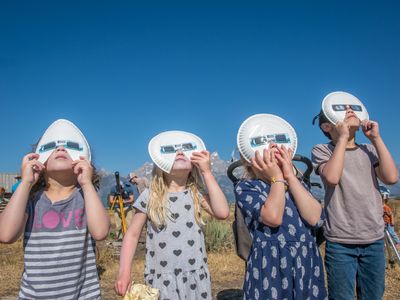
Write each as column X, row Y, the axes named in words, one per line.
column 274, row 180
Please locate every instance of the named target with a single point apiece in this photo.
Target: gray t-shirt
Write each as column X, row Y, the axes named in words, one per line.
column 354, row 206
column 59, row 252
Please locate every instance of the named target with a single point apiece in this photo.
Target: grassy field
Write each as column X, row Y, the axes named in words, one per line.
column 227, row 270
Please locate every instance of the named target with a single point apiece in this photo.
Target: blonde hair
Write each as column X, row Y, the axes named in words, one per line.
column 158, row 210
column 248, row 171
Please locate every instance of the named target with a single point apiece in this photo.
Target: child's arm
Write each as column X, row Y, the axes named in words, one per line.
column 96, row 215
column 386, row 171
column 215, row 203
column 13, row 218
column 332, row 170
column 128, row 250
column 310, row 209
column 266, row 168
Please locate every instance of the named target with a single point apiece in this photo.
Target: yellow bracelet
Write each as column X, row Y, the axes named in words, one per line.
column 274, row 180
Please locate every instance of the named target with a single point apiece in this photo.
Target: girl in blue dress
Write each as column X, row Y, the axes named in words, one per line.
column 280, row 213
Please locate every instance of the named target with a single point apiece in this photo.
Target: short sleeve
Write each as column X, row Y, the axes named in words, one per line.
column 129, row 189
column 371, row 152
column 142, row 202
column 250, row 196
column 29, row 207
column 322, row 219
column 320, row 155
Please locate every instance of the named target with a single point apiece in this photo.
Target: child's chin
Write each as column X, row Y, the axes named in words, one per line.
column 181, row 167
column 61, row 167
column 354, row 122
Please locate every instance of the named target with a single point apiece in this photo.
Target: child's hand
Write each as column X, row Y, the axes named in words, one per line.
column 31, row 168
column 284, row 158
column 84, row 171
column 342, row 129
column 266, row 167
column 202, row 161
column 122, row 284
column 370, row 129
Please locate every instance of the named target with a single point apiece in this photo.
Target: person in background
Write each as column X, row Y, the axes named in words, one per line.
column 2, row 191
column 141, row 183
column 15, row 185
column 127, row 198
column 388, row 216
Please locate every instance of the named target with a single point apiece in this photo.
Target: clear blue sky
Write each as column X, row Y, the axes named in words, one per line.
column 124, row 71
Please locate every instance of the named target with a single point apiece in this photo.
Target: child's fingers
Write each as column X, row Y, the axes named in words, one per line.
column 259, row 160
column 283, row 152
column 290, row 153
column 201, row 154
column 198, row 156
column 81, row 159
column 272, row 155
column 197, row 159
column 363, row 123
column 121, row 287
column 37, row 166
column 128, row 288
column 280, row 159
column 77, row 168
column 29, row 157
column 279, row 151
column 267, row 156
column 196, row 153
column 255, row 164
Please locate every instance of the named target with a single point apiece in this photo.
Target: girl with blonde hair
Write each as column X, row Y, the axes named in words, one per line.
column 176, row 260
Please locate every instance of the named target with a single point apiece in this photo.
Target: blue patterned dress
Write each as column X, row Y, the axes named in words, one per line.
column 284, row 262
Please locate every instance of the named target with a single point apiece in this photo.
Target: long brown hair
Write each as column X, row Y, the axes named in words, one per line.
column 41, row 183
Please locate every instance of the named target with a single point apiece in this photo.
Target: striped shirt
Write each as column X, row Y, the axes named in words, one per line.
column 59, row 253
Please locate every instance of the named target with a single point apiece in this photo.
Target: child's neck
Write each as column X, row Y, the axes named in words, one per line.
column 176, row 183
column 351, row 142
column 57, row 190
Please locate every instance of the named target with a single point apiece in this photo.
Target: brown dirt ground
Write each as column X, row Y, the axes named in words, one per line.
column 227, row 270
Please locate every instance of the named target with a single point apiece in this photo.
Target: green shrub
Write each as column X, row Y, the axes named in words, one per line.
column 218, row 235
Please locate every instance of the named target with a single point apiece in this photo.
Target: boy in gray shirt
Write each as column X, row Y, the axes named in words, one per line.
column 354, row 225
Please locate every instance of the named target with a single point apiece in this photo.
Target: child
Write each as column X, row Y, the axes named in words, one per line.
column 388, row 216
column 176, row 261
column 58, row 205
column 354, row 224
column 284, row 260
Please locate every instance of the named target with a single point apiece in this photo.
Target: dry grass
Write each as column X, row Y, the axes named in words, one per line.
column 227, row 270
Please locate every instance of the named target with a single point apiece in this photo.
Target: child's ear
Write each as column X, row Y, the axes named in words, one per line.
column 326, row 127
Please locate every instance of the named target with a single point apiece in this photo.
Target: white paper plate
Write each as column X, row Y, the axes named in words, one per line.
column 162, row 148
column 63, row 132
column 333, row 106
column 258, row 131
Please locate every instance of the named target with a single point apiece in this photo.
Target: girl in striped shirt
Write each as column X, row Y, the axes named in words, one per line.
column 58, row 209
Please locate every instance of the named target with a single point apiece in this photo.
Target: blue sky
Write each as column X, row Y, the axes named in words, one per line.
column 123, row 71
